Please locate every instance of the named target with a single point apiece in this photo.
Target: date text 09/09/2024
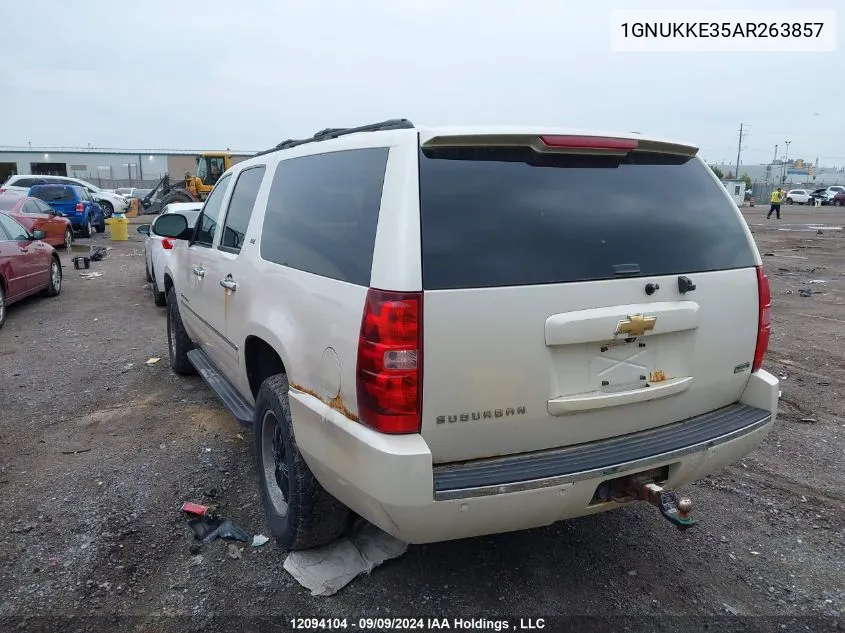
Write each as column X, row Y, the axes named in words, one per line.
column 419, row 624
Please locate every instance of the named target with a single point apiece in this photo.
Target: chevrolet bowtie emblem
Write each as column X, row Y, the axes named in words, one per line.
column 636, row 325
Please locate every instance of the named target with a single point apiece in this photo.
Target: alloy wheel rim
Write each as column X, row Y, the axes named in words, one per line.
column 56, row 275
column 274, row 462
column 68, row 239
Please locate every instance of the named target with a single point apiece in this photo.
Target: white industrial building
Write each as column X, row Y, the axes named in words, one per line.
column 108, row 169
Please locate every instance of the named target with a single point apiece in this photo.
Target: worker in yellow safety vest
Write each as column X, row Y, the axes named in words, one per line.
column 777, row 198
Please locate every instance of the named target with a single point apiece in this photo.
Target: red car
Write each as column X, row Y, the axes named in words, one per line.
column 838, row 200
column 37, row 215
column 27, row 265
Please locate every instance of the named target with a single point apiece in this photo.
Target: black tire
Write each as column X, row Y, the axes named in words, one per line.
column 108, row 208
column 2, row 306
column 55, row 286
column 149, row 276
column 789, row 201
column 176, row 196
column 159, row 298
column 68, row 239
column 88, row 229
column 101, row 227
column 304, row 515
column 178, row 341
column 837, row 203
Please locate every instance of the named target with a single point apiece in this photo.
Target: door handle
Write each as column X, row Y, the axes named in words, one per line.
column 229, row 284
column 199, row 271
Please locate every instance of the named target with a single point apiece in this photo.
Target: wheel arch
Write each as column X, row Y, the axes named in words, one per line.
column 262, row 360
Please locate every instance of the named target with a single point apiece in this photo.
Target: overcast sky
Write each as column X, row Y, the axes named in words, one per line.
column 246, row 74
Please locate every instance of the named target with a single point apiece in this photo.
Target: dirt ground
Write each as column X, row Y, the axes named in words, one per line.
column 98, row 450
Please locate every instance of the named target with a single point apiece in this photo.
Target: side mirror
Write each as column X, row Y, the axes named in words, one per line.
column 38, row 234
column 143, row 229
column 170, row 225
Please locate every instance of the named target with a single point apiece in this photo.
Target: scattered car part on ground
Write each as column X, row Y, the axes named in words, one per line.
column 208, row 529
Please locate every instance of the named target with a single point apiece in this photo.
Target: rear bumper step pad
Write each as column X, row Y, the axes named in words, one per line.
column 238, row 407
column 519, row 472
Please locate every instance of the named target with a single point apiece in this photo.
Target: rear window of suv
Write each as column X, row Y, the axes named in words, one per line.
column 53, row 193
column 506, row 218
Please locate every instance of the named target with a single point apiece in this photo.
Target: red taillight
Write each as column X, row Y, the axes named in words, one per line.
column 167, row 243
column 590, row 142
column 80, row 207
column 390, row 362
column 764, row 323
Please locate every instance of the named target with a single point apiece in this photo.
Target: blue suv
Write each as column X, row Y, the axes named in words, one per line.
column 76, row 204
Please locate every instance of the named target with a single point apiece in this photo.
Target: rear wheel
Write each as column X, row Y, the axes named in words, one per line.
column 178, row 341
column 176, row 196
column 68, row 238
column 88, row 229
column 55, row 286
column 101, row 227
column 2, row 306
column 837, row 203
column 299, row 511
column 108, row 209
column 789, row 201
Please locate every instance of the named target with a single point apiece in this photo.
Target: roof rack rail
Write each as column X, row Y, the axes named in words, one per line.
column 334, row 132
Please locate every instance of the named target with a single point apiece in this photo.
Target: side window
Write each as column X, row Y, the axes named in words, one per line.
column 207, row 222
column 30, row 207
column 13, row 229
column 322, row 213
column 43, row 207
column 24, row 182
column 240, row 208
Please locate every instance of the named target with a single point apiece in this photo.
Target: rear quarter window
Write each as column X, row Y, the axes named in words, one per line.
column 322, row 213
column 502, row 218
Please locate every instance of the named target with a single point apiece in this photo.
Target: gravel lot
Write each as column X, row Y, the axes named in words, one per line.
column 98, row 450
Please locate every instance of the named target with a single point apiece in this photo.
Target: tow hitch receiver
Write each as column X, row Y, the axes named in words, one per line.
column 674, row 510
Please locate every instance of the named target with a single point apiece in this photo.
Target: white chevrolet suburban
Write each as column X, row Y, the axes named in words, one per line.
column 446, row 332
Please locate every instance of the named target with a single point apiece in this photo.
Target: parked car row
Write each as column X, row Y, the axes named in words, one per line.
column 833, row 195
column 36, row 215
column 111, row 202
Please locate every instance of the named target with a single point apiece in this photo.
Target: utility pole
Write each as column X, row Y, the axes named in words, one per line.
column 776, row 153
column 738, row 150
column 785, row 159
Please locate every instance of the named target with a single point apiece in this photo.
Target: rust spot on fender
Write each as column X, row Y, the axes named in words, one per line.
column 335, row 403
